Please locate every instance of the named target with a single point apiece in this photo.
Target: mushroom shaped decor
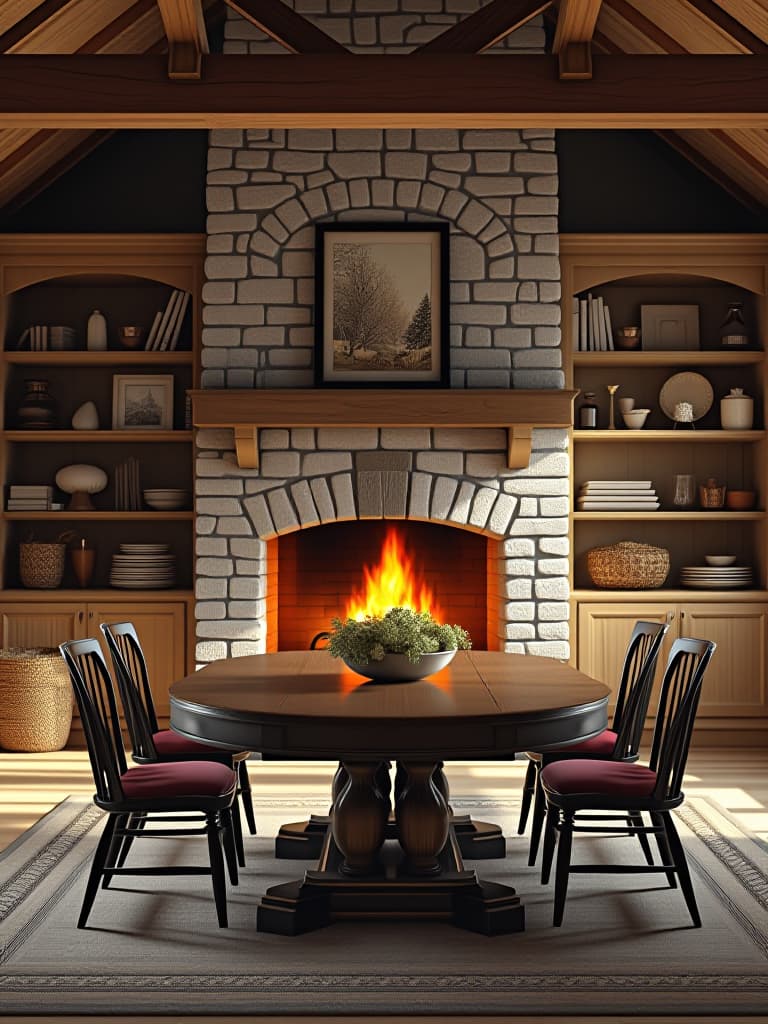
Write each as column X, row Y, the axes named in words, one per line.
column 81, row 482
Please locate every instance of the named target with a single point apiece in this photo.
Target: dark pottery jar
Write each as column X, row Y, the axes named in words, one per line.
column 37, row 410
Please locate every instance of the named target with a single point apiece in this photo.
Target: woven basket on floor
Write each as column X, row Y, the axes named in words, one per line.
column 35, row 699
column 41, row 566
column 628, row 566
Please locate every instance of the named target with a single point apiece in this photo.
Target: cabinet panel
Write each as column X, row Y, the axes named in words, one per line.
column 161, row 632
column 604, row 631
column 735, row 682
column 40, row 625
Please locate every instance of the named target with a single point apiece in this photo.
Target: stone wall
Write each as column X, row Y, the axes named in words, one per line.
column 497, row 190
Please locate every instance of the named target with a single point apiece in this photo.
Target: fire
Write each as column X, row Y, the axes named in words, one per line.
column 393, row 583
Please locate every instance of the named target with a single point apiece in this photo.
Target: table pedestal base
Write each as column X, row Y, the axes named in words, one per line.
column 455, row 895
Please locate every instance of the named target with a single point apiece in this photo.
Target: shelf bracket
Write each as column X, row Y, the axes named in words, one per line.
column 247, row 445
column 519, row 441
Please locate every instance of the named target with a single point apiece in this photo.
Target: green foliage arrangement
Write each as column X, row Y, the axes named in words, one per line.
column 400, row 631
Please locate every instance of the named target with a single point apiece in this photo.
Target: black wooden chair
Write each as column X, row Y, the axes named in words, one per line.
column 196, row 793
column 575, row 786
column 619, row 743
column 151, row 744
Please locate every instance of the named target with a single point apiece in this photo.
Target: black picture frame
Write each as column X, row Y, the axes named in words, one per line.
column 405, row 260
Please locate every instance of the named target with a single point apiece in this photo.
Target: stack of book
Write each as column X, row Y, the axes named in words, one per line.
column 127, row 486
column 617, row 496
column 592, row 330
column 41, row 337
column 166, row 327
column 32, row 498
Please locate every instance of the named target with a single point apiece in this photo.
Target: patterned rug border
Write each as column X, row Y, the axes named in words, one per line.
column 752, row 879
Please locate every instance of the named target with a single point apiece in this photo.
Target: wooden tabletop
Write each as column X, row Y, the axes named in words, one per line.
column 307, row 704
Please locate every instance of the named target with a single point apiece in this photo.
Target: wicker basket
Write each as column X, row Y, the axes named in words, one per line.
column 35, row 699
column 41, row 566
column 628, row 566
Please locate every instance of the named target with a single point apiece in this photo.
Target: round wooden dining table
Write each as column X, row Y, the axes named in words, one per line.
column 389, row 854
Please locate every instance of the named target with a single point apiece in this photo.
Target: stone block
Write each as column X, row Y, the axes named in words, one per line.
column 512, row 337
column 535, row 163
column 219, row 292
column 520, row 611
column 344, row 497
column 539, row 313
column 519, row 547
column 539, row 268
column 408, row 193
column 555, row 588
column 503, row 268
column 550, row 291
column 537, row 206
column 553, row 611
column 501, row 514
column 493, row 163
column 262, row 267
column 320, row 139
column 206, row 587
column 534, row 379
column 529, row 506
column 258, row 511
column 539, row 527
column 419, row 498
column 370, row 500
column 218, row 506
column 266, row 336
column 292, row 214
column 555, row 506
column 247, row 588
column 554, row 545
column 437, row 140
column 214, row 567
column 477, row 337
column 445, row 179
column 488, row 466
column 458, row 162
column 209, row 650
column 219, row 199
column 240, row 378
column 359, row 193
column 443, row 494
column 210, row 610
column 482, row 139
column 289, row 315
column 274, row 438
column 467, row 259
column 383, row 193
column 219, row 244
column 323, row 500
column 537, row 358
column 474, row 217
column 485, row 498
column 297, row 162
column 519, row 567
column 349, row 139
column 453, row 204
column 280, row 464
column 283, row 513
column 228, row 267
column 553, row 566
column 216, row 547
column 463, row 503
column 481, row 359
column 519, row 589
column 229, row 629
column 549, row 649
column 263, row 197
column 355, row 165
column 440, row 462
column 494, row 185
column 471, row 313
column 325, row 463
column 347, row 439
column 305, row 505
column 263, row 244
column 489, row 291
column 216, row 437
column 536, row 225
column 405, row 437
column 384, row 461
column 338, row 196
column 406, row 165
column 520, row 631
column 238, row 314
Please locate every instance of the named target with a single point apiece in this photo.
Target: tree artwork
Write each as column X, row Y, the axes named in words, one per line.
column 367, row 312
column 418, row 334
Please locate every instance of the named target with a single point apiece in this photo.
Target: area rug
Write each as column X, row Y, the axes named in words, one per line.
column 626, row 945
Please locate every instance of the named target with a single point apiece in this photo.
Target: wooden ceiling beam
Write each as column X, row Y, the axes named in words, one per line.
column 184, row 25
column 729, row 25
column 644, row 91
column 576, row 20
column 28, row 25
column 486, row 27
column 647, row 27
column 282, row 24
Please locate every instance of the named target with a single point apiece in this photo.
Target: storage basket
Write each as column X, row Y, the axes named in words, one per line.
column 41, row 566
column 35, row 699
column 628, row 566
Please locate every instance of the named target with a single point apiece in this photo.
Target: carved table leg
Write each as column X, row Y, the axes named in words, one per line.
column 422, row 819
column 359, row 818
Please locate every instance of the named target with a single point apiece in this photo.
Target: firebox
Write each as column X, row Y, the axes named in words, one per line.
column 353, row 568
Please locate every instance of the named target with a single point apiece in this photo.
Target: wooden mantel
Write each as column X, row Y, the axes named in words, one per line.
column 247, row 411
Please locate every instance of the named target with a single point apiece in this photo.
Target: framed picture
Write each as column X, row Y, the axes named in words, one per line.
column 381, row 305
column 669, row 328
column 142, row 401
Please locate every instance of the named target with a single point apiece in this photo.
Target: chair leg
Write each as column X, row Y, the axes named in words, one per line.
column 217, row 868
column 528, row 788
column 678, row 856
column 97, row 865
column 550, row 838
column 229, row 844
column 245, row 795
column 115, row 847
column 237, row 831
column 635, row 818
column 563, row 866
column 664, row 852
column 539, row 811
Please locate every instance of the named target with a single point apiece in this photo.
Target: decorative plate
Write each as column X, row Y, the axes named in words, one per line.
column 686, row 387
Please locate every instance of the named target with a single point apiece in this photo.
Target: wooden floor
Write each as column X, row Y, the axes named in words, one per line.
column 31, row 784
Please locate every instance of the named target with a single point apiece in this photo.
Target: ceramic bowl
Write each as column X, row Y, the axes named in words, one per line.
column 396, row 668
column 721, row 560
column 635, row 418
column 627, row 337
column 740, row 501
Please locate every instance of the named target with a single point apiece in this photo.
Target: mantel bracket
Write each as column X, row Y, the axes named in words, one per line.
column 247, row 445
column 519, row 441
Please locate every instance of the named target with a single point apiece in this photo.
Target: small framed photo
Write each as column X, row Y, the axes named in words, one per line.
column 669, row 328
column 381, row 305
column 142, row 401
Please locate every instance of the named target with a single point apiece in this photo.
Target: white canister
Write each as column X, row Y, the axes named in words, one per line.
column 736, row 410
column 96, row 335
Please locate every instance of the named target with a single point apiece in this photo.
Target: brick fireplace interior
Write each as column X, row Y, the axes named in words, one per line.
column 315, row 572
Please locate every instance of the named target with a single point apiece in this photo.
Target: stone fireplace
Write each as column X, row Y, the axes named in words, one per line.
column 497, row 190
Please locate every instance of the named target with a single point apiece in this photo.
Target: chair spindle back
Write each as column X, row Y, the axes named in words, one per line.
column 133, row 682
column 635, row 687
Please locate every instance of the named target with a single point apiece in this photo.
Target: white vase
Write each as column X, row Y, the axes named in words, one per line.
column 85, row 417
column 96, row 335
column 736, row 410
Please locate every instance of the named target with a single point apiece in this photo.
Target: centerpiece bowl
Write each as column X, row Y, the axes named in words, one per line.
column 398, row 668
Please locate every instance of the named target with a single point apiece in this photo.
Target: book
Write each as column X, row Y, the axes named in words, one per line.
column 600, row 314
column 153, row 332
column 623, row 483
column 175, row 329
column 575, row 324
column 594, row 324
column 629, row 506
column 583, row 326
column 619, row 499
column 163, row 336
column 608, row 328
column 30, row 491
column 24, row 338
column 164, row 320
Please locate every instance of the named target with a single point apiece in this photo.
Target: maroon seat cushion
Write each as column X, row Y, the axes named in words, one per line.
column 178, row 779
column 170, row 744
column 606, row 778
column 600, row 746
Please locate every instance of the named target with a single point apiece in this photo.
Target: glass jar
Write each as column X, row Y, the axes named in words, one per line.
column 587, row 415
column 733, row 332
column 37, row 410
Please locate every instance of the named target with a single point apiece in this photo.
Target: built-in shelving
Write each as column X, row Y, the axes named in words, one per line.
column 96, row 517
column 670, row 516
column 99, row 436
column 694, row 358
column 114, row 359
column 683, row 436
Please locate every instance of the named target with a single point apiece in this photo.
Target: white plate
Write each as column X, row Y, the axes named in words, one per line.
column 686, row 387
column 144, row 549
column 721, row 585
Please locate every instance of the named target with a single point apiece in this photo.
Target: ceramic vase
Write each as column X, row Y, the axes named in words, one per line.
column 736, row 410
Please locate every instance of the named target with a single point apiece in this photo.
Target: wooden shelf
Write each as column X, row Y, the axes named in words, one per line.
column 93, row 594
column 694, row 357
column 249, row 410
column 100, row 436
column 64, row 516
column 667, row 594
column 623, row 436
column 80, row 358
column 726, row 516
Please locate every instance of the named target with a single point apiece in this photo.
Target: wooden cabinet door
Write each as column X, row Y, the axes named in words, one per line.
column 161, row 632
column 735, row 682
column 603, row 635
column 44, row 624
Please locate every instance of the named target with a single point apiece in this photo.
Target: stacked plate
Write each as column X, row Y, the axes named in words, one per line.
column 715, row 577
column 165, row 499
column 143, row 567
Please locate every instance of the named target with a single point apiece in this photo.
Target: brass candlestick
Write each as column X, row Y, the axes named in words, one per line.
column 612, row 389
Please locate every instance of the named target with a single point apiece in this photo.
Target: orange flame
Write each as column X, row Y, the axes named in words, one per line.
column 393, row 583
